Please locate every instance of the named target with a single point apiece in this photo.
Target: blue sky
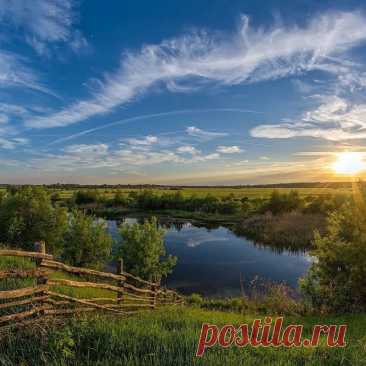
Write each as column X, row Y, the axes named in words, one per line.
column 193, row 92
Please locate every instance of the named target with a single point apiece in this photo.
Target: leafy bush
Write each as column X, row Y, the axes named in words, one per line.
column 87, row 196
column 28, row 216
column 87, row 242
column 143, row 250
column 194, row 299
column 337, row 279
column 282, row 203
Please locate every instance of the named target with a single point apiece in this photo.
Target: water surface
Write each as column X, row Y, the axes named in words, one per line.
column 212, row 261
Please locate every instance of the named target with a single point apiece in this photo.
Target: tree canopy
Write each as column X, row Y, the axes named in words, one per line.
column 143, row 250
column 87, row 242
column 337, row 279
column 27, row 215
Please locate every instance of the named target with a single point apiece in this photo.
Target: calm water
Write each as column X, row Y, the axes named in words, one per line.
column 211, row 261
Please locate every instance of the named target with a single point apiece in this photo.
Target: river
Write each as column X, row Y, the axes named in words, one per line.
column 216, row 262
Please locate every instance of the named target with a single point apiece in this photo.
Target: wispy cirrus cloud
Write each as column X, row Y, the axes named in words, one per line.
column 87, row 149
column 246, row 56
column 203, row 134
column 15, row 72
column 9, row 143
column 88, row 157
column 336, row 119
column 44, row 22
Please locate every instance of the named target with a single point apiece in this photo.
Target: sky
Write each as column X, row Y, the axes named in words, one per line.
column 190, row 92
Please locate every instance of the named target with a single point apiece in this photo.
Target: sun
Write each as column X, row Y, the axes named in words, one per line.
column 349, row 163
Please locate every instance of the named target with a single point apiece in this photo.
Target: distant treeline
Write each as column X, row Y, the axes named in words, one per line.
column 335, row 185
column 150, row 200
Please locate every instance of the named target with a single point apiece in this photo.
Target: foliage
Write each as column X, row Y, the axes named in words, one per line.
column 120, row 199
column 194, row 299
column 291, row 231
column 143, row 250
column 28, row 216
column 149, row 200
column 283, row 202
column 87, row 242
column 337, row 279
column 62, row 343
column 87, row 196
column 325, row 204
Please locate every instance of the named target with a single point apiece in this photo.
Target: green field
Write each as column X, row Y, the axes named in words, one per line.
column 251, row 193
column 219, row 192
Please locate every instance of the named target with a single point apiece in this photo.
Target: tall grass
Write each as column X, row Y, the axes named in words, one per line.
column 290, row 231
column 168, row 337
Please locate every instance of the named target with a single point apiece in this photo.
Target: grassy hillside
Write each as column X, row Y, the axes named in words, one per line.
column 169, row 337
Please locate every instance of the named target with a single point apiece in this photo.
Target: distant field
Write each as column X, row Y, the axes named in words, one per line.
column 219, row 191
column 222, row 192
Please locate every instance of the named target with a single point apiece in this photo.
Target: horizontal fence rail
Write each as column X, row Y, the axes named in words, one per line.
column 56, row 289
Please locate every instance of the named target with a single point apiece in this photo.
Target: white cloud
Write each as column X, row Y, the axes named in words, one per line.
column 205, row 135
column 146, row 141
column 335, row 119
column 229, row 149
column 187, row 149
column 247, row 56
column 43, row 22
column 14, row 71
column 91, row 150
column 314, row 153
column 11, row 143
column 83, row 157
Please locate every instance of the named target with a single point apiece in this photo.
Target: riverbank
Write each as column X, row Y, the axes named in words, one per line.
column 115, row 213
column 293, row 231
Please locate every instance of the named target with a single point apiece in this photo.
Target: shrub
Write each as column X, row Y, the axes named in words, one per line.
column 194, row 299
column 143, row 250
column 281, row 203
column 87, row 242
column 87, row 196
column 28, row 216
column 337, row 279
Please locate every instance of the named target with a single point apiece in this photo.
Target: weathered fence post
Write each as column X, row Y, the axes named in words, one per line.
column 121, row 283
column 155, row 287
column 40, row 247
column 174, row 297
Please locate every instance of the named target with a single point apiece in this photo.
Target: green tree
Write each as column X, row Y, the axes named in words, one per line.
column 281, row 203
column 87, row 241
column 143, row 250
column 337, row 279
column 87, row 196
column 27, row 216
column 120, row 199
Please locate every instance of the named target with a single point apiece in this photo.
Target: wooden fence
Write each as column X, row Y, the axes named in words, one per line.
column 49, row 295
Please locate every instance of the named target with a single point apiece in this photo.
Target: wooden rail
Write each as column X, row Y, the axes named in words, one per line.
column 52, row 296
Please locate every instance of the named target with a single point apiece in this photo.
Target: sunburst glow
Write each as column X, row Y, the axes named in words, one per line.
column 349, row 163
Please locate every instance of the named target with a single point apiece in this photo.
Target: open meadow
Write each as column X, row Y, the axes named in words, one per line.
column 219, row 192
